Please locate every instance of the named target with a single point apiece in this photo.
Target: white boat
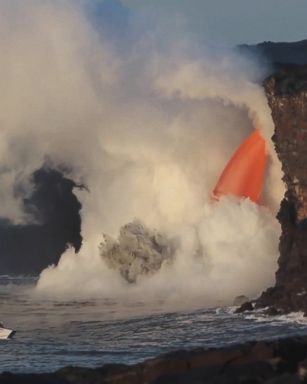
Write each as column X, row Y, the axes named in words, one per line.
column 5, row 333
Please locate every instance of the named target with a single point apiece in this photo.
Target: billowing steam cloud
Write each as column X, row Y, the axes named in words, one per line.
column 148, row 130
column 138, row 251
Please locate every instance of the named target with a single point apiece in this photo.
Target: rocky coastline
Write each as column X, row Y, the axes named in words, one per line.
column 286, row 91
column 277, row 361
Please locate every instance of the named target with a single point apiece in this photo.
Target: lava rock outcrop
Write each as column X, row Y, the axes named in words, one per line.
column 278, row 361
column 277, row 53
column 286, row 91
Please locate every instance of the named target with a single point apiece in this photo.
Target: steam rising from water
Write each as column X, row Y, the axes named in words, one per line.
column 149, row 131
column 238, row 254
column 138, row 251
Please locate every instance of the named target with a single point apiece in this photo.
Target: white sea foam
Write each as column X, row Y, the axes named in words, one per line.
column 290, row 318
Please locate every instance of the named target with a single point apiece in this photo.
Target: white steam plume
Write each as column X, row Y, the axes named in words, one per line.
column 149, row 133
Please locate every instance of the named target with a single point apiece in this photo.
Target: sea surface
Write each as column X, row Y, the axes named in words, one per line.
column 53, row 333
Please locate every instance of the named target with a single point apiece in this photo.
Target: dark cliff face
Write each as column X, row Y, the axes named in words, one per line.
column 287, row 96
column 28, row 249
column 277, row 53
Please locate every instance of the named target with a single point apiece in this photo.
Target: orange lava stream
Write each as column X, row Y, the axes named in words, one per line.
column 245, row 173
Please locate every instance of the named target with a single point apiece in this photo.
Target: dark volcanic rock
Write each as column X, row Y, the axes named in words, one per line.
column 287, row 96
column 277, row 53
column 247, row 306
column 272, row 311
column 278, row 361
column 27, row 249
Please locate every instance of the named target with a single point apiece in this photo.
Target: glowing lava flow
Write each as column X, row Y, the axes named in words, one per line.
column 245, row 172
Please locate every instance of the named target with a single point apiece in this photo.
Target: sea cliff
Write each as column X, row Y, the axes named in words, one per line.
column 286, row 92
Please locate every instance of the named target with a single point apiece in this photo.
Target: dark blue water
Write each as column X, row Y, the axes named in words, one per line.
column 52, row 334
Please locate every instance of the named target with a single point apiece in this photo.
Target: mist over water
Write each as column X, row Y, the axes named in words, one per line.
column 238, row 243
column 148, row 126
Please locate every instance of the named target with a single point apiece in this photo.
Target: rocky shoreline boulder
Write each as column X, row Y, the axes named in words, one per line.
column 277, row 361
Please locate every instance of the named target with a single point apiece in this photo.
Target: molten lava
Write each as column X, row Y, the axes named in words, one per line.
column 245, row 172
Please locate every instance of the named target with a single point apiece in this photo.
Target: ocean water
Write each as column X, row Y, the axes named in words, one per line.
column 54, row 333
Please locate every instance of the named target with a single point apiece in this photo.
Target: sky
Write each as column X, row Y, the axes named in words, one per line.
column 230, row 22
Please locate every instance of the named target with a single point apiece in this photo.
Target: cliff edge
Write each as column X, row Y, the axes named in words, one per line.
column 286, row 92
